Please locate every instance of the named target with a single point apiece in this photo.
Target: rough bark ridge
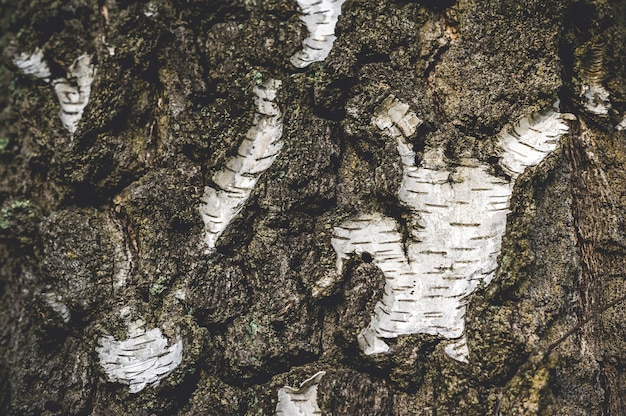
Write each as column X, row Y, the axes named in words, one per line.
column 117, row 116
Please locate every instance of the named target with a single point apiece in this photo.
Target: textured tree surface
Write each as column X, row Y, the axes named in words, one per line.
column 102, row 241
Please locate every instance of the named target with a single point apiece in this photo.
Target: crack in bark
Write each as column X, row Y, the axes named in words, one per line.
column 121, row 223
column 589, row 180
column 431, row 68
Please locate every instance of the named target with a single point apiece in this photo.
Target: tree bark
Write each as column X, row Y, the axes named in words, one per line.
column 127, row 126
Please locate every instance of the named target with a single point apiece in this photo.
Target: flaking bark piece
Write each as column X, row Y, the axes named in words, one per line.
column 301, row 401
column 394, row 118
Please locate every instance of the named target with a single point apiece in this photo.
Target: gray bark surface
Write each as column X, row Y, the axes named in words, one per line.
column 102, row 227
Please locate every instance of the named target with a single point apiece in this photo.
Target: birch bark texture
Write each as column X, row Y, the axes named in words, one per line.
column 403, row 207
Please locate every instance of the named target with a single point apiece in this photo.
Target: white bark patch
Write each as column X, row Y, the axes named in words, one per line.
column 320, row 18
column 56, row 304
column 531, row 139
column 73, row 92
column 143, row 359
column 622, row 125
column 233, row 184
column 458, row 350
column 462, row 213
column 397, row 312
column 394, row 118
column 301, row 401
column 596, row 99
column 33, row 64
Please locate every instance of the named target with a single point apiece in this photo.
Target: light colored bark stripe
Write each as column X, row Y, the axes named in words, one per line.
column 233, row 184
column 320, row 18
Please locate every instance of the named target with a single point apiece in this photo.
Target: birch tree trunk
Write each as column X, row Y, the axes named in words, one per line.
column 256, row 207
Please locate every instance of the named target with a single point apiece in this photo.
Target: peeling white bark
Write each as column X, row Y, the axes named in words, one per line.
column 425, row 292
column 33, row 64
column 143, row 359
column 320, row 18
column 222, row 202
column 396, row 313
column 394, row 119
column 457, row 349
column 531, row 139
column 73, row 92
column 301, row 401
column 596, row 99
column 462, row 213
